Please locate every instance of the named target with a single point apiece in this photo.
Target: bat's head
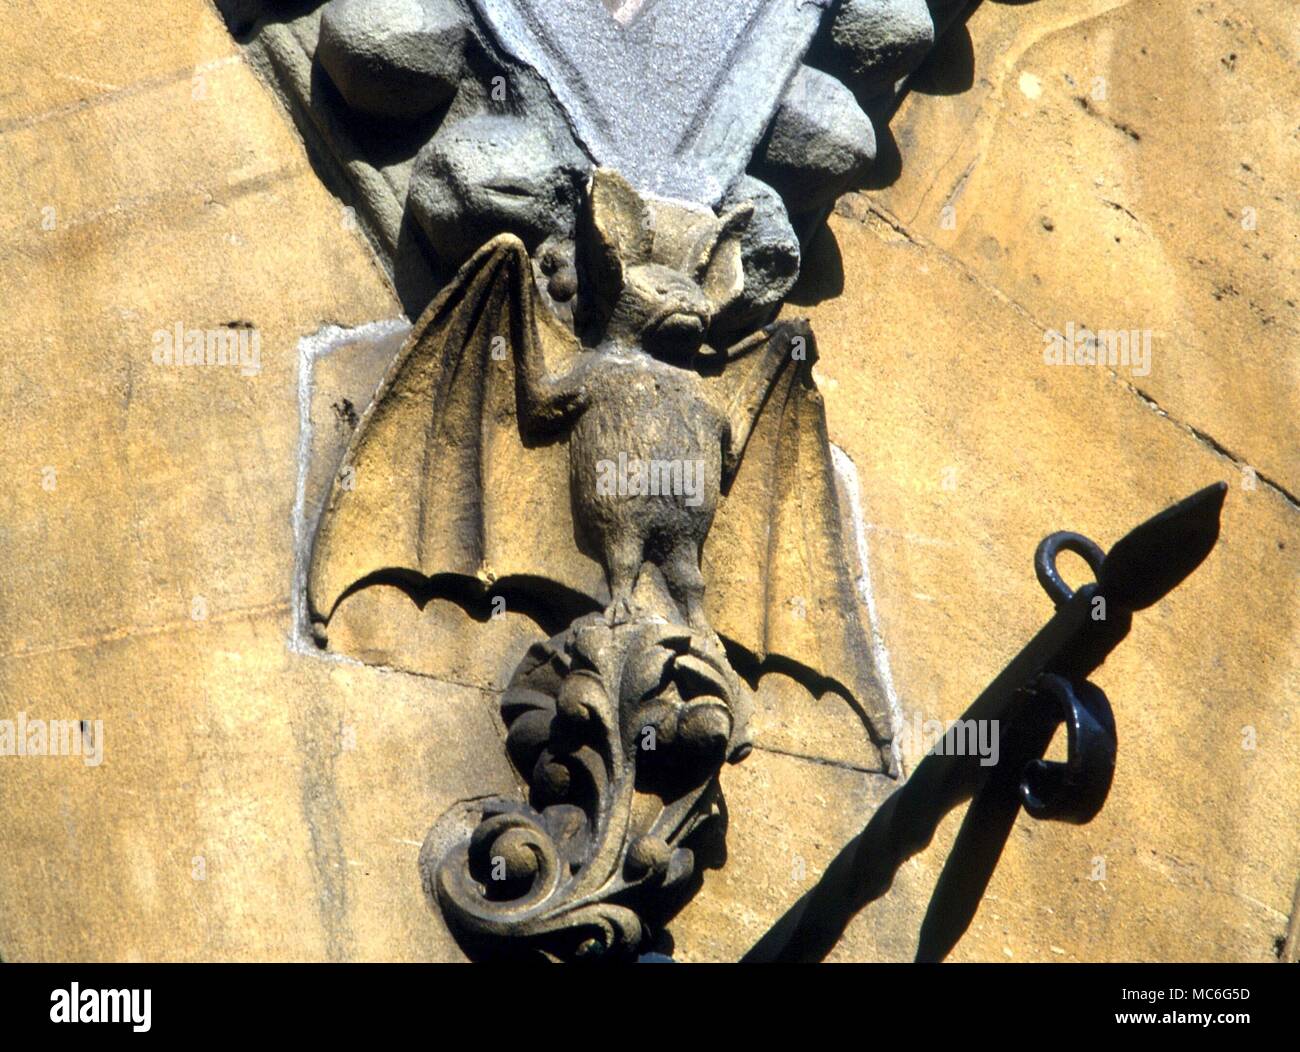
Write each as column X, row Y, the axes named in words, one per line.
column 657, row 273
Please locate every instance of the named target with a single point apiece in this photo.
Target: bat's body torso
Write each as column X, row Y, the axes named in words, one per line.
column 645, row 457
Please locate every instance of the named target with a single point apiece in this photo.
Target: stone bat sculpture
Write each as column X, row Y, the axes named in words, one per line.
column 672, row 493
column 632, row 441
column 500, row 451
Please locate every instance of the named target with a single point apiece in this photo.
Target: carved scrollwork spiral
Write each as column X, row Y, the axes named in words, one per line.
column 619, row 733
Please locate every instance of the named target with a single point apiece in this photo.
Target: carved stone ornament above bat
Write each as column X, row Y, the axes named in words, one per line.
column 598, row 408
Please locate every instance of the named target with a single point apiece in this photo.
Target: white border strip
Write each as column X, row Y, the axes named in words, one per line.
column 310, row 348
column 848, row 476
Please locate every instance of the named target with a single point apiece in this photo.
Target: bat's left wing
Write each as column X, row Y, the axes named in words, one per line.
column 781, row 583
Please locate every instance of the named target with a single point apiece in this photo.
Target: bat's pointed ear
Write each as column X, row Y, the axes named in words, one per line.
column 619, row 234
column 719, row 264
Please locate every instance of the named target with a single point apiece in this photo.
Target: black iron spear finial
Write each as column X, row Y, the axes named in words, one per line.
column 1044, row 686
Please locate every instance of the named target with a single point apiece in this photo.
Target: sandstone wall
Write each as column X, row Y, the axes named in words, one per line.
column 1116, row 165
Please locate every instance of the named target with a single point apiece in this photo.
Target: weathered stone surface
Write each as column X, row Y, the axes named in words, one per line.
column 106, row 205
column 769, row 250
column 179, row 193
column 248, row 806
column 394, row 58
column 771, row 861
column 1123, row 166
column 39, row 84
column 880, row 41
column 820, row 142
column 488, row 175
column 974, row 449
column 686, row 136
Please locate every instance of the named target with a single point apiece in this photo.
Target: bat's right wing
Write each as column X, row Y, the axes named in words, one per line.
column 439, row 480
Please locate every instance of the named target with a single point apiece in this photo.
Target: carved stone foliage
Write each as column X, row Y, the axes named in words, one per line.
column 618, row 733
column 447, row 122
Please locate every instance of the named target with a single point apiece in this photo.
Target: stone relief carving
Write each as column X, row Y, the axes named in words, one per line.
column 597, row 408
column 503, row 451
column 447, row 122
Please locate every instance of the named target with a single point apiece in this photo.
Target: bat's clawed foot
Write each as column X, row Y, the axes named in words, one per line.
column 622, row 611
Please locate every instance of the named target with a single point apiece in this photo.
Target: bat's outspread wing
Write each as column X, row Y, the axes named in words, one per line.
column 781, row 583
column 440, row 480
